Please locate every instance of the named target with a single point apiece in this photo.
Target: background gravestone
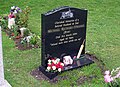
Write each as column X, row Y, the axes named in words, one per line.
column 3, row 82
column 63, row 33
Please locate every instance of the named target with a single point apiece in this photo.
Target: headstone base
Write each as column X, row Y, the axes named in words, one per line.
column 5, row 84
column 85, row 60
column 48, row 74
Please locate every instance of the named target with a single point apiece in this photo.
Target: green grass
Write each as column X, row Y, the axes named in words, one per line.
column 103, row 40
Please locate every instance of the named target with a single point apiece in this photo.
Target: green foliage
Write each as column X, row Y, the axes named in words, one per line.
column 26, row 32
column 34, row 39
column 22, row 18
column 115, row 83
column 17, row 19
column 23, row 41
column 3, row 23
column 15, row 30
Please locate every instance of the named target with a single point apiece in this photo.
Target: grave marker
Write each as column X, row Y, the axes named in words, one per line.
column 3, row 82
column 64, row 33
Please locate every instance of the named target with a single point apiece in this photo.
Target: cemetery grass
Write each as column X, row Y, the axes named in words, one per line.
column 103, row 40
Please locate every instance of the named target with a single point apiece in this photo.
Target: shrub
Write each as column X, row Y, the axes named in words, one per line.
column 22, row 18
column 34, row 39
column 3, row 22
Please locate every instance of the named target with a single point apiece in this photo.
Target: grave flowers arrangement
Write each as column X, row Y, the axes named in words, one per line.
column 15, row 9
column 54, row 65
column 112, row 78
column 13, row 16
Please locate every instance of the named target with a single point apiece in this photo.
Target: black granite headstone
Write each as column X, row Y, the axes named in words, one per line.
column 63, row 33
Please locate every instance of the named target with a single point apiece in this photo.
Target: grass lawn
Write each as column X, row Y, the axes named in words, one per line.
column 103, row 40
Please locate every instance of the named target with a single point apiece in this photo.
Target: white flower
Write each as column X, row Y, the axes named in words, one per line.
column 13, row 7
column 118, row 68
column 17, row 8
column 11, row 22
column 62, row 64
column 15, row 12
column 58, row 60
column 59, row 69
column 28, row 38
column 48, row 68
column 54, row 67
column 49, row 61
column 54, row 61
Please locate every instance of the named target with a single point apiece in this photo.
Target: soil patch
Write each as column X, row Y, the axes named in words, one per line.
column 18, row 44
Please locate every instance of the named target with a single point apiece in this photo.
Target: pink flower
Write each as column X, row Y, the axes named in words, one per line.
column 118, row 75
column 108, row 77
column 11, row 15
column 107, row 72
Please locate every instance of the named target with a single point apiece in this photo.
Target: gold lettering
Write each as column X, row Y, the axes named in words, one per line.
column 53, row 30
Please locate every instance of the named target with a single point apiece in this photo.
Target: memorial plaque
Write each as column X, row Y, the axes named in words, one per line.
column 63, row 33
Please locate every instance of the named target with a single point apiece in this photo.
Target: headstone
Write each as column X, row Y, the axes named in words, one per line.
column 64, row 33
column 3, row 82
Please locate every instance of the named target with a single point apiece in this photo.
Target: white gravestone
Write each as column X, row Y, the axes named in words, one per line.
column 3, row 82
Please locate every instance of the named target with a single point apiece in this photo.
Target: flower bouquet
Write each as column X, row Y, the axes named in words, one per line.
column 113, row 78
column 15, row 9
column 54, row 65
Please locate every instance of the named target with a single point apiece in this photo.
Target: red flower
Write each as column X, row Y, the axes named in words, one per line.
column 11, row 15
column 58, row 65
column 49, row 65
column 12, row 34
column 61, row 67
column 55, row 65
column 52, row 64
